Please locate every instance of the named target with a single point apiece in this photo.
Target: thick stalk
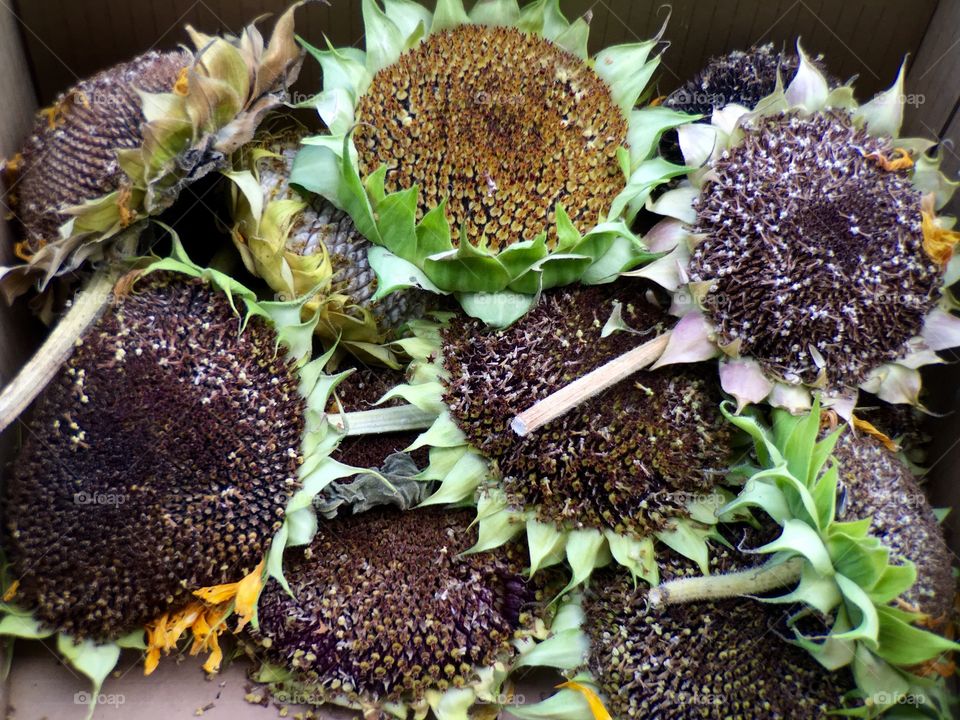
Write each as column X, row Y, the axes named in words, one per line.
column 401, row 418
column 730, row 585
column 590, row 385
column 40, row 369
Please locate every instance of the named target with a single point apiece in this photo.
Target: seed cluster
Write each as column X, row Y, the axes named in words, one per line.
column 72, row 154
column 717, row 661
column 814, row 251
column 628, row 459
column 741, row 77
column 876, row 484
column 385, row 607
column 503, row 125
column 158, row 462
column 321, row 225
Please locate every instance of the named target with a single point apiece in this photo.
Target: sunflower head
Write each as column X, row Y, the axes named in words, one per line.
column 301, row 244
column 876, row 484
column 447, row 139
column 805, row 249
column 813, row 250
column 711, row 659
column 119, row 147
column 627, row 460
column 386, row 610
column 159, row 461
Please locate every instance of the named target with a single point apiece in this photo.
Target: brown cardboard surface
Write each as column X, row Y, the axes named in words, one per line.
column 68, row 39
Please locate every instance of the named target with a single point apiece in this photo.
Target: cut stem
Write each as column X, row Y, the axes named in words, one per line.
column 402, row 418
column 730, row 585
column 40, row 369
column 590, row 385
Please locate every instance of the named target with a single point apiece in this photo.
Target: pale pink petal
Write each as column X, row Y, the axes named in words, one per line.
column 744, row 379
column 690, row 341
column 809, row 88
column 894, row 384
column 727, row 117
column 941, row 330
column 668, row 271
column 843, row 405
column 793, row 398
column 666, row 235
column 697, row 142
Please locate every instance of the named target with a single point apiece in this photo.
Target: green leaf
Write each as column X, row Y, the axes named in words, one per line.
column 94, row 661
column 449, row 14
column 895, row 580
column 857, row 600
column 505, row 13
column 397, row 221
column 395, row 273
column 521, row 256
column 384, row 41
column 23, row 626
column 555, row 270
column 340, row 69
column 863, row 561
column 411, row 18
column 646, row 127
column 586, row 551
column 497, row 310
column 353, row 196
column 801, row 539
column 825, row 496
column 457, row 271
column 905, row 645
column 545, row 544
column 433, row 232
column 626, row 71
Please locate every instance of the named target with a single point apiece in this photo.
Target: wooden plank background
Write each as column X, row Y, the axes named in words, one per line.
column 66, row 39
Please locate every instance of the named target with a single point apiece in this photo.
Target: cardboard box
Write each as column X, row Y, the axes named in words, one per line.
column 46, row 45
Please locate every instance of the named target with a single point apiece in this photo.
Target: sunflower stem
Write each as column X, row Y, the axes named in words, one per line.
column 730, row 585
column 590, row 385
column 33, row 377
column 402, row 418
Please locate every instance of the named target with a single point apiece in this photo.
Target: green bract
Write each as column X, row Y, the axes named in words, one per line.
column 477, row 229
column 846, row 573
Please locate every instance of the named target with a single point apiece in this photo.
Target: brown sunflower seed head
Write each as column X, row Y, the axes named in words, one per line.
column 723, row 660
column 875, row 483
column 629, row 459
column 385, row 607
column 71, row 156
column 159, row 461
column 810, row 243
column 321, row 225
column 502, row 124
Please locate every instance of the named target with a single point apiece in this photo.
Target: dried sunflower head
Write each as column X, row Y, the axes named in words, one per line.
column 805, row 248
column 119, row 147
column 301, row 243
column 160, row 467
column 485, row 153
column 741, row 78
column 385, row 613
column 876, row 484
column 724, row 660
column 642, row 461
column 857, row 544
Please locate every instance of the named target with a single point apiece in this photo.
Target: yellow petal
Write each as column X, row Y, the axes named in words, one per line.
column 218, row 594
column 11, row 591
column 871, row 430
column 248, row 593
column 212, row 664
column 900, row 160
column 938, row 243
column 152, row 660
column 593, row 700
